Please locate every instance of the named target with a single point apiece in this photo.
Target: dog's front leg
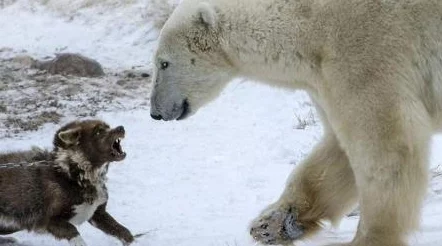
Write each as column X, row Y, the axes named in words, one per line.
column 104, row 221
column 65, row 230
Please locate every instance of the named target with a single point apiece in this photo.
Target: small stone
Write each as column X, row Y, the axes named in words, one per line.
column 6, row 49
column 121, row 82
column 24, row 60
column 71, row 64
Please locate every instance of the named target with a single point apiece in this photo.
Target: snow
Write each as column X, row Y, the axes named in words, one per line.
column 117, row 35
column 197, row 182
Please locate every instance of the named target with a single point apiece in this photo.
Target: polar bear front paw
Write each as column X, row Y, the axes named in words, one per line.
column 276, row 227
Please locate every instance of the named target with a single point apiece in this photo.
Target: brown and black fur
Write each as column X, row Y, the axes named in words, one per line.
column 48, row 198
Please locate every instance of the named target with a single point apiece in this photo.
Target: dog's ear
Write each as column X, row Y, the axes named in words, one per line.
column 70, row 136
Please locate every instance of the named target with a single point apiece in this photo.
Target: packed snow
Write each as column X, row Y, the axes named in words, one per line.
column 197, row 182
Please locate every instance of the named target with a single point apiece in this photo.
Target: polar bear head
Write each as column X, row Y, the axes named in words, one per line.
column 190, row 65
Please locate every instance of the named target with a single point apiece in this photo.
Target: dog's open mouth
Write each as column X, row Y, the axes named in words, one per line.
column 117, row 150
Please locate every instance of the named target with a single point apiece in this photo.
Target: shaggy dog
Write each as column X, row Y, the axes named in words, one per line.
column 65, row 187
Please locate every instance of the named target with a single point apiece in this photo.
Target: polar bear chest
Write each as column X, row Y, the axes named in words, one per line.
column 83, row 212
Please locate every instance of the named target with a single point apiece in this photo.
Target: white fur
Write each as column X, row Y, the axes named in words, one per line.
column 86, row 210
column 372, row 68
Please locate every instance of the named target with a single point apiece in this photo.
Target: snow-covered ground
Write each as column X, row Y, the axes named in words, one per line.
column 191, row 183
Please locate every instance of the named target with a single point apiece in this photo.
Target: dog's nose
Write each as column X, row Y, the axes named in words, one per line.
column 120, row 129
column 156, row 117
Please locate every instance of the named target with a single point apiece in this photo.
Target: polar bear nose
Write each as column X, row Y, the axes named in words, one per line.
column 156, row 117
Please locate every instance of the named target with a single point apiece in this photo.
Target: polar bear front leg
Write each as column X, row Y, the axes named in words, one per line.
column 321, row 188
column 385, row 129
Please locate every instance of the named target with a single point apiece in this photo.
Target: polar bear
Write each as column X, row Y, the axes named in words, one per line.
column 373, row 68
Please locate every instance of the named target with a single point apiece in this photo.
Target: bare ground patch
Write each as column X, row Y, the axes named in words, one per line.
column 31, row 98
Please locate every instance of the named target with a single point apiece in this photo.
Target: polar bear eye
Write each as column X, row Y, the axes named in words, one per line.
column 164, row 65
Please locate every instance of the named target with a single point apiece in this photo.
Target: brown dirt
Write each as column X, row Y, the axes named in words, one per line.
column 31, row 98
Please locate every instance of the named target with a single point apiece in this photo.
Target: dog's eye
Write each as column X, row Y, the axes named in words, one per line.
column 164, row 65
column 99, row 131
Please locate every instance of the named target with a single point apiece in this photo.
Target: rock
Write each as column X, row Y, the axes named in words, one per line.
column 24, row 61
column 71, row 64
column 6, row 49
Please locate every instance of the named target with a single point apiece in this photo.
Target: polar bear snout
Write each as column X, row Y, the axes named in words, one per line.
column 177, row 111
column 156, row 116
column 167, row 101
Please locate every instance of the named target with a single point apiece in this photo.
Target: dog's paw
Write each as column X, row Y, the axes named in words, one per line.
column 126, row 243
column 77, row 241
column 276, row 226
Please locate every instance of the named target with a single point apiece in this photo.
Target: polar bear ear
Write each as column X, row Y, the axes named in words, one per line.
column 207, row 15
